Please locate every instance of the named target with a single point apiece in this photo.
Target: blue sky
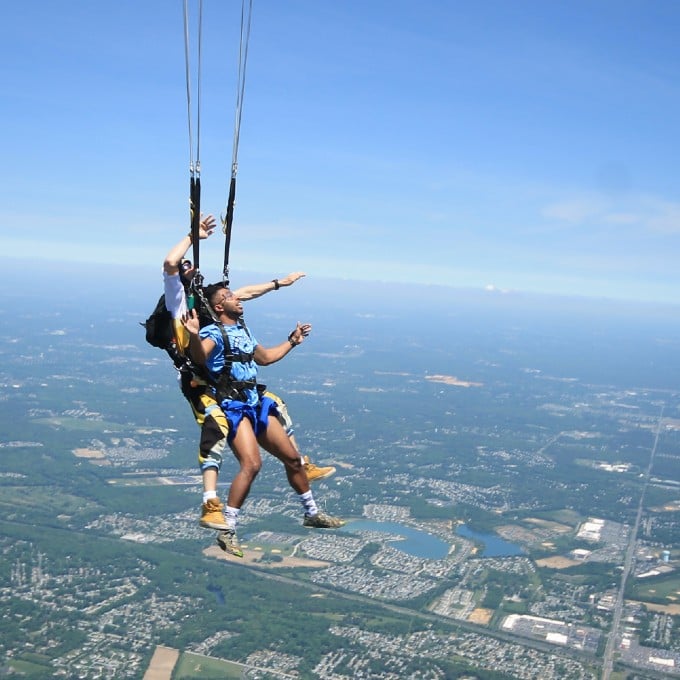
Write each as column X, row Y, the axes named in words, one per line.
column 524, row 145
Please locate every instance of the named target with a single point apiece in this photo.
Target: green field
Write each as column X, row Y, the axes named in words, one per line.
column 659, row 590
column 198, row 666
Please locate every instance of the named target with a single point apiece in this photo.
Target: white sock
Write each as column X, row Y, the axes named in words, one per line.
column 209, row 494
column 230, row 516
column 308, row 503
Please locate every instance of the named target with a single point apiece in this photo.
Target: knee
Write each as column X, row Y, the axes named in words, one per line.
column 251, row 468
column 294, row 464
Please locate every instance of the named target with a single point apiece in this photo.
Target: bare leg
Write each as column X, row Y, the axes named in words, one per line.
column 293, row 441
column 275, row 440
column 247, row 452
column 210, row 479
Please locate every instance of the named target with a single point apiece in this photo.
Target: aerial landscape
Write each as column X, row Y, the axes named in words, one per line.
column 462, row 226
column 511, row 494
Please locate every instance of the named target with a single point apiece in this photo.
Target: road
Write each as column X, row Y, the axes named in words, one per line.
column 608, row 658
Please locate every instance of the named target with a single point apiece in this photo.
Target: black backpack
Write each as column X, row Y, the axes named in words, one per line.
column 159, row 327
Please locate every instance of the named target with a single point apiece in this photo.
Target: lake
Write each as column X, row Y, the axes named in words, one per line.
column 494, row 546
column 415, row 542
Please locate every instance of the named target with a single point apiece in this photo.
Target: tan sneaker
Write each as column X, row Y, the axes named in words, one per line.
column 315, row 472
column 211, row 515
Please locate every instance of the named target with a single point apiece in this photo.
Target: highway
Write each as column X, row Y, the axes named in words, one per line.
column 608, row 658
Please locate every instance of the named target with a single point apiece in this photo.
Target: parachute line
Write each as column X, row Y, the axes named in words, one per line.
column 246, row 15
column 194, row 163
column 228, row 218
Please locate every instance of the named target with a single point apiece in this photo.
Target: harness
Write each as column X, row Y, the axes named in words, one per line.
column 227, row 387
column 184, row 363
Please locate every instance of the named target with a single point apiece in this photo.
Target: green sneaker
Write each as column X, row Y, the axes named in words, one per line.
column 322, row 521
column 228, row 541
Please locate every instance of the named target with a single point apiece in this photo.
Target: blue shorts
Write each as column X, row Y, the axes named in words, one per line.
column 258, row 415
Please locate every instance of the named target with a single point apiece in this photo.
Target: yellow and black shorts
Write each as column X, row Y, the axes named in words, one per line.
column 209, row 417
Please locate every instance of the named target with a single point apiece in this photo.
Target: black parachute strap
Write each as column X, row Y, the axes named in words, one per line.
column 195, row 203
column 226, row 227
column 245, row 328
column 194, row 165
column 228, row 218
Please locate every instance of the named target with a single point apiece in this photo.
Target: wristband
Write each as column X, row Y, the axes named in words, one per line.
column 291, row 341
column 276, row 283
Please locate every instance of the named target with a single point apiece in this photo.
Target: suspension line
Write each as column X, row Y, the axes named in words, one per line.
column 194, row 163
column 228, row 218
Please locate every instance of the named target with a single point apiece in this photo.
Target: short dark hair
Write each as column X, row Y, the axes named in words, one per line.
column 210, row 291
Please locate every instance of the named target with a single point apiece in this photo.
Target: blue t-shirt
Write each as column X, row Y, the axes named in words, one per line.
column 241, row 342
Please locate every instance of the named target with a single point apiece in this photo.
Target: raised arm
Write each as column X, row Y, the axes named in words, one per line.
column 258, row 289
column 269, row 355
column 179, row 250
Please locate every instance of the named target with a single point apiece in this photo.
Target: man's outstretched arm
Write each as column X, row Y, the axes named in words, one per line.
column 268, row 355
column 251, row 292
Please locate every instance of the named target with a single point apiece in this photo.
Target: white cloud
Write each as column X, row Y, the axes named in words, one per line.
column 649, row 213
column 575, row 210
column 666, row 219
column 622, row 218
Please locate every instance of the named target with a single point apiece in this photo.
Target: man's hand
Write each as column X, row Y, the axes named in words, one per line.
column 291, row 278
column 190, row 322
column 207, row 226
column 300, row 333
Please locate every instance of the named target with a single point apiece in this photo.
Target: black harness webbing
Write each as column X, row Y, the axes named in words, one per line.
column 226, row 387
column 226, row 227
column 195, row 199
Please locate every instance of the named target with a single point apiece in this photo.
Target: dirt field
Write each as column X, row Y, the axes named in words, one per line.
column 87, row 453
column 556, row 562
column 480, row 616
column 254, row 557
column 162, row 663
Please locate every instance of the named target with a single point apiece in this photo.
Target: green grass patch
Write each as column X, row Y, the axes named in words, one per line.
column 32, row 496
column 28, row 668
column 197, row 666
column 659, row 590
column 564, row 516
